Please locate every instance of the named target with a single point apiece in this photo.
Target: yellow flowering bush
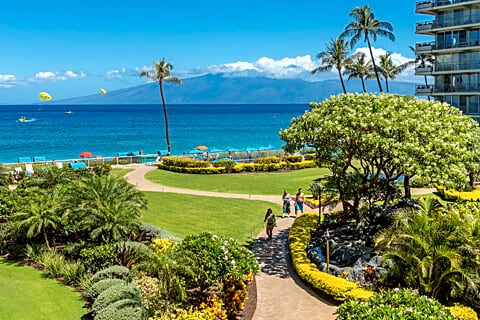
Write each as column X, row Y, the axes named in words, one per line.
column 210, row 310
column 454, row 195
column 462, row 312
column 337, row 287
column 163, row 245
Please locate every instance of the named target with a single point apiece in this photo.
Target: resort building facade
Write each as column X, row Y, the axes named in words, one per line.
column 453, row 57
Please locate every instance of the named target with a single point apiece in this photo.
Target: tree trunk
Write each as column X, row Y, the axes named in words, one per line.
column 374, row 65
column 426, row 83
column 471, row 177
column 407, row 189
column 46, row 239
column 167, row 134
column 341, row 80
column 386, row 83
column 363, row 85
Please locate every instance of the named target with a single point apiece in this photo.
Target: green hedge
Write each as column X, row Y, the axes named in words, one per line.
column 102, row 285
column 291, row 158
column 227, row 164
column 114, row 294
column 267, row 160
column 115, row 272
column 185, row 162
column 125, row 309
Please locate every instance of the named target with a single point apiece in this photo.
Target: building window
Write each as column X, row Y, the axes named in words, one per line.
column 463, row 104
column 473, row 105
column 474, row 85
column 440, row 41
column 474, row 38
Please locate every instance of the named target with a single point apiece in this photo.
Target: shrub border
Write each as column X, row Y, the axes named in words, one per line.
column 338, row 288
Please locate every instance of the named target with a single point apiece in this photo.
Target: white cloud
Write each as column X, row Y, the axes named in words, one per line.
column 9, row 81
column 126, row 72
column 58, row 76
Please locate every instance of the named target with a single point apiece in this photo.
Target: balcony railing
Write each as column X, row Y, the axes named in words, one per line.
column 449, row 66
column 445, row 23
column 456, row 89
column 423, row 90
column 423, row 70
column 430, row 46
column 429, row 4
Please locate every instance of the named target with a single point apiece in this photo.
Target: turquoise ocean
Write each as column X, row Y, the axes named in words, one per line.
column 108, row 129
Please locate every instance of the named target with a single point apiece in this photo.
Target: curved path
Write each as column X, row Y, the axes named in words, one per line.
column 280, row 293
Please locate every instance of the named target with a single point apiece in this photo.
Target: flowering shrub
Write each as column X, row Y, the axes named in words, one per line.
column 163, row 245
column 235, row 294
column 462, row 312
column 227, row 164
column 219, row 258
column 210, row 310
column 395, row 304
column 199, row 170
column 267, row 160
column 152, row 298
column 293, row 158
column 454, row 195
column 185, row 162
column 337, row 287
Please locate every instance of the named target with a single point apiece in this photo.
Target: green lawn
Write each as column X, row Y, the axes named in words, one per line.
column 271, row 183
column 182, row 215
column 121, row 172
column 26, row 295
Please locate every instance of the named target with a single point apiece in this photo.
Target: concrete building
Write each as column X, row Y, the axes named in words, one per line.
column 453, row 57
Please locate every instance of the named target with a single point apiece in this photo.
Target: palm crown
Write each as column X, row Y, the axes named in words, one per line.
column 359, row 68
column 162, row 70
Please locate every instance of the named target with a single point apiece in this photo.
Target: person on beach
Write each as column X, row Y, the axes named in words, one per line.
column 286, row 203
column 271, row 223
column 299, row 198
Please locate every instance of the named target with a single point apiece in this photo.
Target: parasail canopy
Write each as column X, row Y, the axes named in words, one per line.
column 102, row 91
column 45, row 96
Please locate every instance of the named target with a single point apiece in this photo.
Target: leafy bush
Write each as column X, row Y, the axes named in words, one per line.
column 420, row 182
column 102, row 285
column 114, row 272
column 114, row 294
column 72, row 272
column 53, row 262
column 148, row 232
column 219, row 258
column 293, row 158
column 129, row 253
column 34, row 252
column 152, row 296
column 454, row 195
column 185, row 162
column 98, row 258
column 299, row 239
column 395, row 304
column 310, row 156
column 126, row 309
column 267, row 160
column 227, row 164
column 234, row 296
column 200, row 170
column 462, row 312
column 301, row 165
column 102, row 169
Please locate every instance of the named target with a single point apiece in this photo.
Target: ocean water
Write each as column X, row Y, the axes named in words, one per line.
column 107, row 130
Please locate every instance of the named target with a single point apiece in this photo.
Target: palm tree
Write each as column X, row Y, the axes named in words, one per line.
column 422, row 61
column 161, row 75
column 109, row 207
column 389, row 70
column 42, row 213
column 432, row 249
column 334, row 56
column 366, row 26
column 360, row 68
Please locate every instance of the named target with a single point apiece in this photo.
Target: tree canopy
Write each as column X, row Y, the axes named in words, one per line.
column 369, row 142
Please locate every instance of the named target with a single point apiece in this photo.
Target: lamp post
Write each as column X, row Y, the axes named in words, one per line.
column 327, row 235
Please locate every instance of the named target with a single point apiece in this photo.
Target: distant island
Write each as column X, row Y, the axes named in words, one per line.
column 221, row 89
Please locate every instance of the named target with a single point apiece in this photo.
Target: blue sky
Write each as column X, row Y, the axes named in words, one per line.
column 72, row 48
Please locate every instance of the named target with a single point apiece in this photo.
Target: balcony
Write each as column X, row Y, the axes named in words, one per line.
column 428, row 26
column 429, row 47
column 450, row 66
column 424, row 27
column 425, row 47
column 427, row 6
column 423, row 90
column 423, row 70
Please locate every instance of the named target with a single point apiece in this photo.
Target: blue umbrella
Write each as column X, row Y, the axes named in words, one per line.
column 194, row 151
column 215, row 150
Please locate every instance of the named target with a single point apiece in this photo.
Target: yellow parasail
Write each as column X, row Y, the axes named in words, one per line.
column 103, row 91
column 45, row 96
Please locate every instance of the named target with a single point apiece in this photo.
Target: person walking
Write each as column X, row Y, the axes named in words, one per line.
column 286, row 203
column 271, row 223
column 299, row 199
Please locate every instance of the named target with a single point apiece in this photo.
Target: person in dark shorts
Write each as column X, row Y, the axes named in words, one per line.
column 299, row 198
column 286, row 203
column 271, row 223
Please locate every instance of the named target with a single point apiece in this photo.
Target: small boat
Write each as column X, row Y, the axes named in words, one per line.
column 23, row 119
column 69, row 112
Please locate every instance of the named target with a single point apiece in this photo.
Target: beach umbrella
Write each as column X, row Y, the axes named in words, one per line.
column 102, row 91
column 86, row 154
column 202, row 148
column 215, row 150
column 45, row 96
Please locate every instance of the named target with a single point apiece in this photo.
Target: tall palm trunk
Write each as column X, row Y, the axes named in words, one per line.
column 341, row 80
column 45, row 238
column 167, row 134
column 426, row 84
column 386, row 83
column 363, row 85
column 374, row 65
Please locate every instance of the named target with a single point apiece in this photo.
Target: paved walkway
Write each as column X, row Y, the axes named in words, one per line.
column 280, row 292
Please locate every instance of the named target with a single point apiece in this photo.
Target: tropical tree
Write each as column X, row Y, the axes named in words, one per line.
column 365, row 26
column 389, row 70
column 359, row 68
column 334, row 56
column 42, row 213
column 162, row 74
column 4, row 177
column 430, row 249
column 422, row 61
column 109, row 207
column 369, row 142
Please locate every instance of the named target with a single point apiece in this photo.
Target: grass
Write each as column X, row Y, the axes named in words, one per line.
column 25, row 294
column 121, row 172
column 182, row 215
column 271, row 183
